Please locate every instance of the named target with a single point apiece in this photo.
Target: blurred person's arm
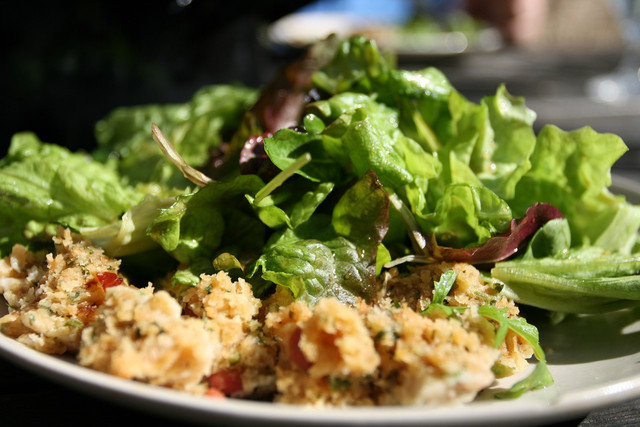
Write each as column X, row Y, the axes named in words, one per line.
column 521, row 22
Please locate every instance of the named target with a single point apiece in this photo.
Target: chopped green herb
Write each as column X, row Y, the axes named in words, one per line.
column 74, row 296
column 235, row 359
column 441, row 289
column 160, row 328
column 74, row 323
column 540, row 377
column 518, row 325
column 339, row 383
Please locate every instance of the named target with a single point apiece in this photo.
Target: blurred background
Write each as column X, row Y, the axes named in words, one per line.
column 65, row 65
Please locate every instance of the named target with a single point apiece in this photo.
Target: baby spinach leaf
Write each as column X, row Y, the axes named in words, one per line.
column 312, row 269
column 552, row 239
column 362, row 213
column 287, row 145
column 307, row 205
column 291, row 205
column 332, row 257
column 193, row 227
column 270, row 214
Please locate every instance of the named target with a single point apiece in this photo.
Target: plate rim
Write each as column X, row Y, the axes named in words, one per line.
column 544, row 406
column 175, row 403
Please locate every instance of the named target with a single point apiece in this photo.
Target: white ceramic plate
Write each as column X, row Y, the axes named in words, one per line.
column 595, row 362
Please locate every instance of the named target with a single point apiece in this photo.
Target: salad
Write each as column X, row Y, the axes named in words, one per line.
column 351, row 234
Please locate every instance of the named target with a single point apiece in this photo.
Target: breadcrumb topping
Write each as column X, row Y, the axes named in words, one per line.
column 217, row 338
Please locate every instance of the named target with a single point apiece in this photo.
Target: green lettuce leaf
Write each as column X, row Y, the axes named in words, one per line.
column 128, row 234
column 583, row 280
column 195, row 225
column 512, row 126
column 47, row 183
column 571, row 170
column 466, row 215
column 357, row 66
column 491, row 145
column 195, row 128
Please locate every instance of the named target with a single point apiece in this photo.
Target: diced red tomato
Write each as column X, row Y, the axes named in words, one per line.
column 295, row 353
column 108, row 279
column 226, row 381
column 214, row 393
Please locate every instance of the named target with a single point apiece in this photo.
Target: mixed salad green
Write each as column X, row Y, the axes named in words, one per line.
column 342, row 167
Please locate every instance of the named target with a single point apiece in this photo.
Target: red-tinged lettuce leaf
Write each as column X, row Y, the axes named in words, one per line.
column 503, row 246
column 281, row 103
column 254, row 159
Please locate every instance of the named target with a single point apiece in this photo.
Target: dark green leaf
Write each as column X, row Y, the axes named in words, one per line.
column 362, row 213
column 338, row 259
column 193, row 227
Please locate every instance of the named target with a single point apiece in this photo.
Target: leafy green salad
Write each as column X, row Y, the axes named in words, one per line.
column 342, row 167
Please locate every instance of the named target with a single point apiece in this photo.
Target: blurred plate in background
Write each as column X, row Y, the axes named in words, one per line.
column 398, row 26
